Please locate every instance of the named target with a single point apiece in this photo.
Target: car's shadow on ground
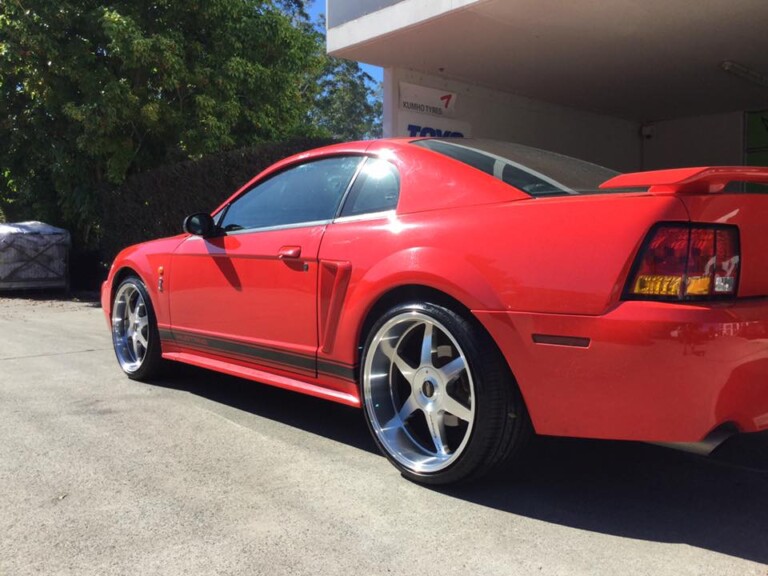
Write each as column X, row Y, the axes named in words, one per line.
column 625, row 489
column 640, row 491
column 320, row 417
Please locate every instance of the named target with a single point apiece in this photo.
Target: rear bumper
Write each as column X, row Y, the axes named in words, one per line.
column 645, row 371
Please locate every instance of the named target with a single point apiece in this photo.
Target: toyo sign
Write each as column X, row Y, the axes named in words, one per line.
column 426, row 131
column 414, row 125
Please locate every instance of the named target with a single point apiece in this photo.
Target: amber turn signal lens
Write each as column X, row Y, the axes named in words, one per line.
column 657, row 285
column 698, row 285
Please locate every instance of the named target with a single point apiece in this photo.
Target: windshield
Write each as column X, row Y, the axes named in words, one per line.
column 534, row 171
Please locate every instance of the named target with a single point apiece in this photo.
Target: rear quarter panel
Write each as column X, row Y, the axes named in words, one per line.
column 551, row 256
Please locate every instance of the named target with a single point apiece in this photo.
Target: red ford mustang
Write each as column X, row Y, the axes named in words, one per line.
column 465, row 293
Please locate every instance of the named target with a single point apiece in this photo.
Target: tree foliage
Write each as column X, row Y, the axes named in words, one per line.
column 347, row 106
column 92, row 91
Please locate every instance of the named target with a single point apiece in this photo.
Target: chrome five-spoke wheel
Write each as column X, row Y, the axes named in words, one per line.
column 434, row 397
column 133, row 329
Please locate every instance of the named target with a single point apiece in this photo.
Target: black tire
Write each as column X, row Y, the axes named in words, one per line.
column 451, row 415
column 135, row 337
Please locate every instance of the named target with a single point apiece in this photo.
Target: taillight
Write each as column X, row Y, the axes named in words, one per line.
column 687, row 262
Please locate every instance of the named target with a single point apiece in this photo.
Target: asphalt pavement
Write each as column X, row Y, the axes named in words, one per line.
column 200, row 474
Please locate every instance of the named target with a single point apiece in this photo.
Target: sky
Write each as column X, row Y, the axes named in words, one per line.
column 317, row 7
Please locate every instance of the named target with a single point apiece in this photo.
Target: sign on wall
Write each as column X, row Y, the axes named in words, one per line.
column 429, row 112
column 411, row 124
column 423, row 100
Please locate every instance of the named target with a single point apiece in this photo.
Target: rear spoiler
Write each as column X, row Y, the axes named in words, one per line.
column 705, row 179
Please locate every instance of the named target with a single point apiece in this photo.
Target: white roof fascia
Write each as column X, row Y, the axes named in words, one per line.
column 390, row 19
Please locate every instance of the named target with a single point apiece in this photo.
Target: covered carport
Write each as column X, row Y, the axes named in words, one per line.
column 628, row 84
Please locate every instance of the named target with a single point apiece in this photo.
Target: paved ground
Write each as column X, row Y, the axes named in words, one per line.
column 204, row 474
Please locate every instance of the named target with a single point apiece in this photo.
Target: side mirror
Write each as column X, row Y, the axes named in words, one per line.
column 200, row 224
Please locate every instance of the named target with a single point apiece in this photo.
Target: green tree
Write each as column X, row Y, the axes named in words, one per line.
column 93, row 90
column 348, row 106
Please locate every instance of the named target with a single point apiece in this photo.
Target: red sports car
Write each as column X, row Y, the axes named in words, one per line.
column 465, row 293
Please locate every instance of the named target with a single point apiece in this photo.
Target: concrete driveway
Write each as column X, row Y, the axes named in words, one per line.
column 203, row 474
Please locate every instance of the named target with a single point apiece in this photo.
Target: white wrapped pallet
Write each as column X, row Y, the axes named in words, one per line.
column 33, row 255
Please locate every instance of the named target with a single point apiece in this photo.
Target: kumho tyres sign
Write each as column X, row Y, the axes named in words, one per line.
column 425, row 100
column 427, row 112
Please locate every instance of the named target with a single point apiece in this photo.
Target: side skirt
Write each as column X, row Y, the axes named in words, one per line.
column 263, row 377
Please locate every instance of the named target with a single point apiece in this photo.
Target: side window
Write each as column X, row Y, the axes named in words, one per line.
column 376, row 189
column 309, row 192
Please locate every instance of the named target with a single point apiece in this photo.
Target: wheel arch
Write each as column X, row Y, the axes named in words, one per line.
column 405, row 294
column 415, row 293
column 410, row 274
column 121, row 274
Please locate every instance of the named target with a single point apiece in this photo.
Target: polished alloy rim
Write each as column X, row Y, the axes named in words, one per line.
column 419, row 393
column 130, row 327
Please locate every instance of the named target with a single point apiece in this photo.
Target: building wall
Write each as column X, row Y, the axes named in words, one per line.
column 699, row 141
column 611, row 142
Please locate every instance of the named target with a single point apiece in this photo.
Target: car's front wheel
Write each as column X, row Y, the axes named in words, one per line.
column 134, row 330
column 438, row 397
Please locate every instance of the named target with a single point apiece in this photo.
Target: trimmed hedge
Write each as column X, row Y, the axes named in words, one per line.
column 153, row 204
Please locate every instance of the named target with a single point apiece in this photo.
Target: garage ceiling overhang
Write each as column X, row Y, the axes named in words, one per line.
column 642, row 60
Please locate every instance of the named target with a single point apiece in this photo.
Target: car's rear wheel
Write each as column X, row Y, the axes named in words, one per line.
column 438, row 397
column 134, row 330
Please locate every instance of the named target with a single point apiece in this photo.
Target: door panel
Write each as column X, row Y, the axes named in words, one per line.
column 249, row 295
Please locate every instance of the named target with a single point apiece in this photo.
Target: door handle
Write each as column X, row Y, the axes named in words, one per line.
column 289, row 252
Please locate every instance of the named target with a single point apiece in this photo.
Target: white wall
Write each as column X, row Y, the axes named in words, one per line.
column 716, row 139
column 611, row 142
column 699, row 141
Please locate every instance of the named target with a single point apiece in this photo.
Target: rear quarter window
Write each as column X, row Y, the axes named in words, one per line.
column 534, row 171
column 376, row 189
